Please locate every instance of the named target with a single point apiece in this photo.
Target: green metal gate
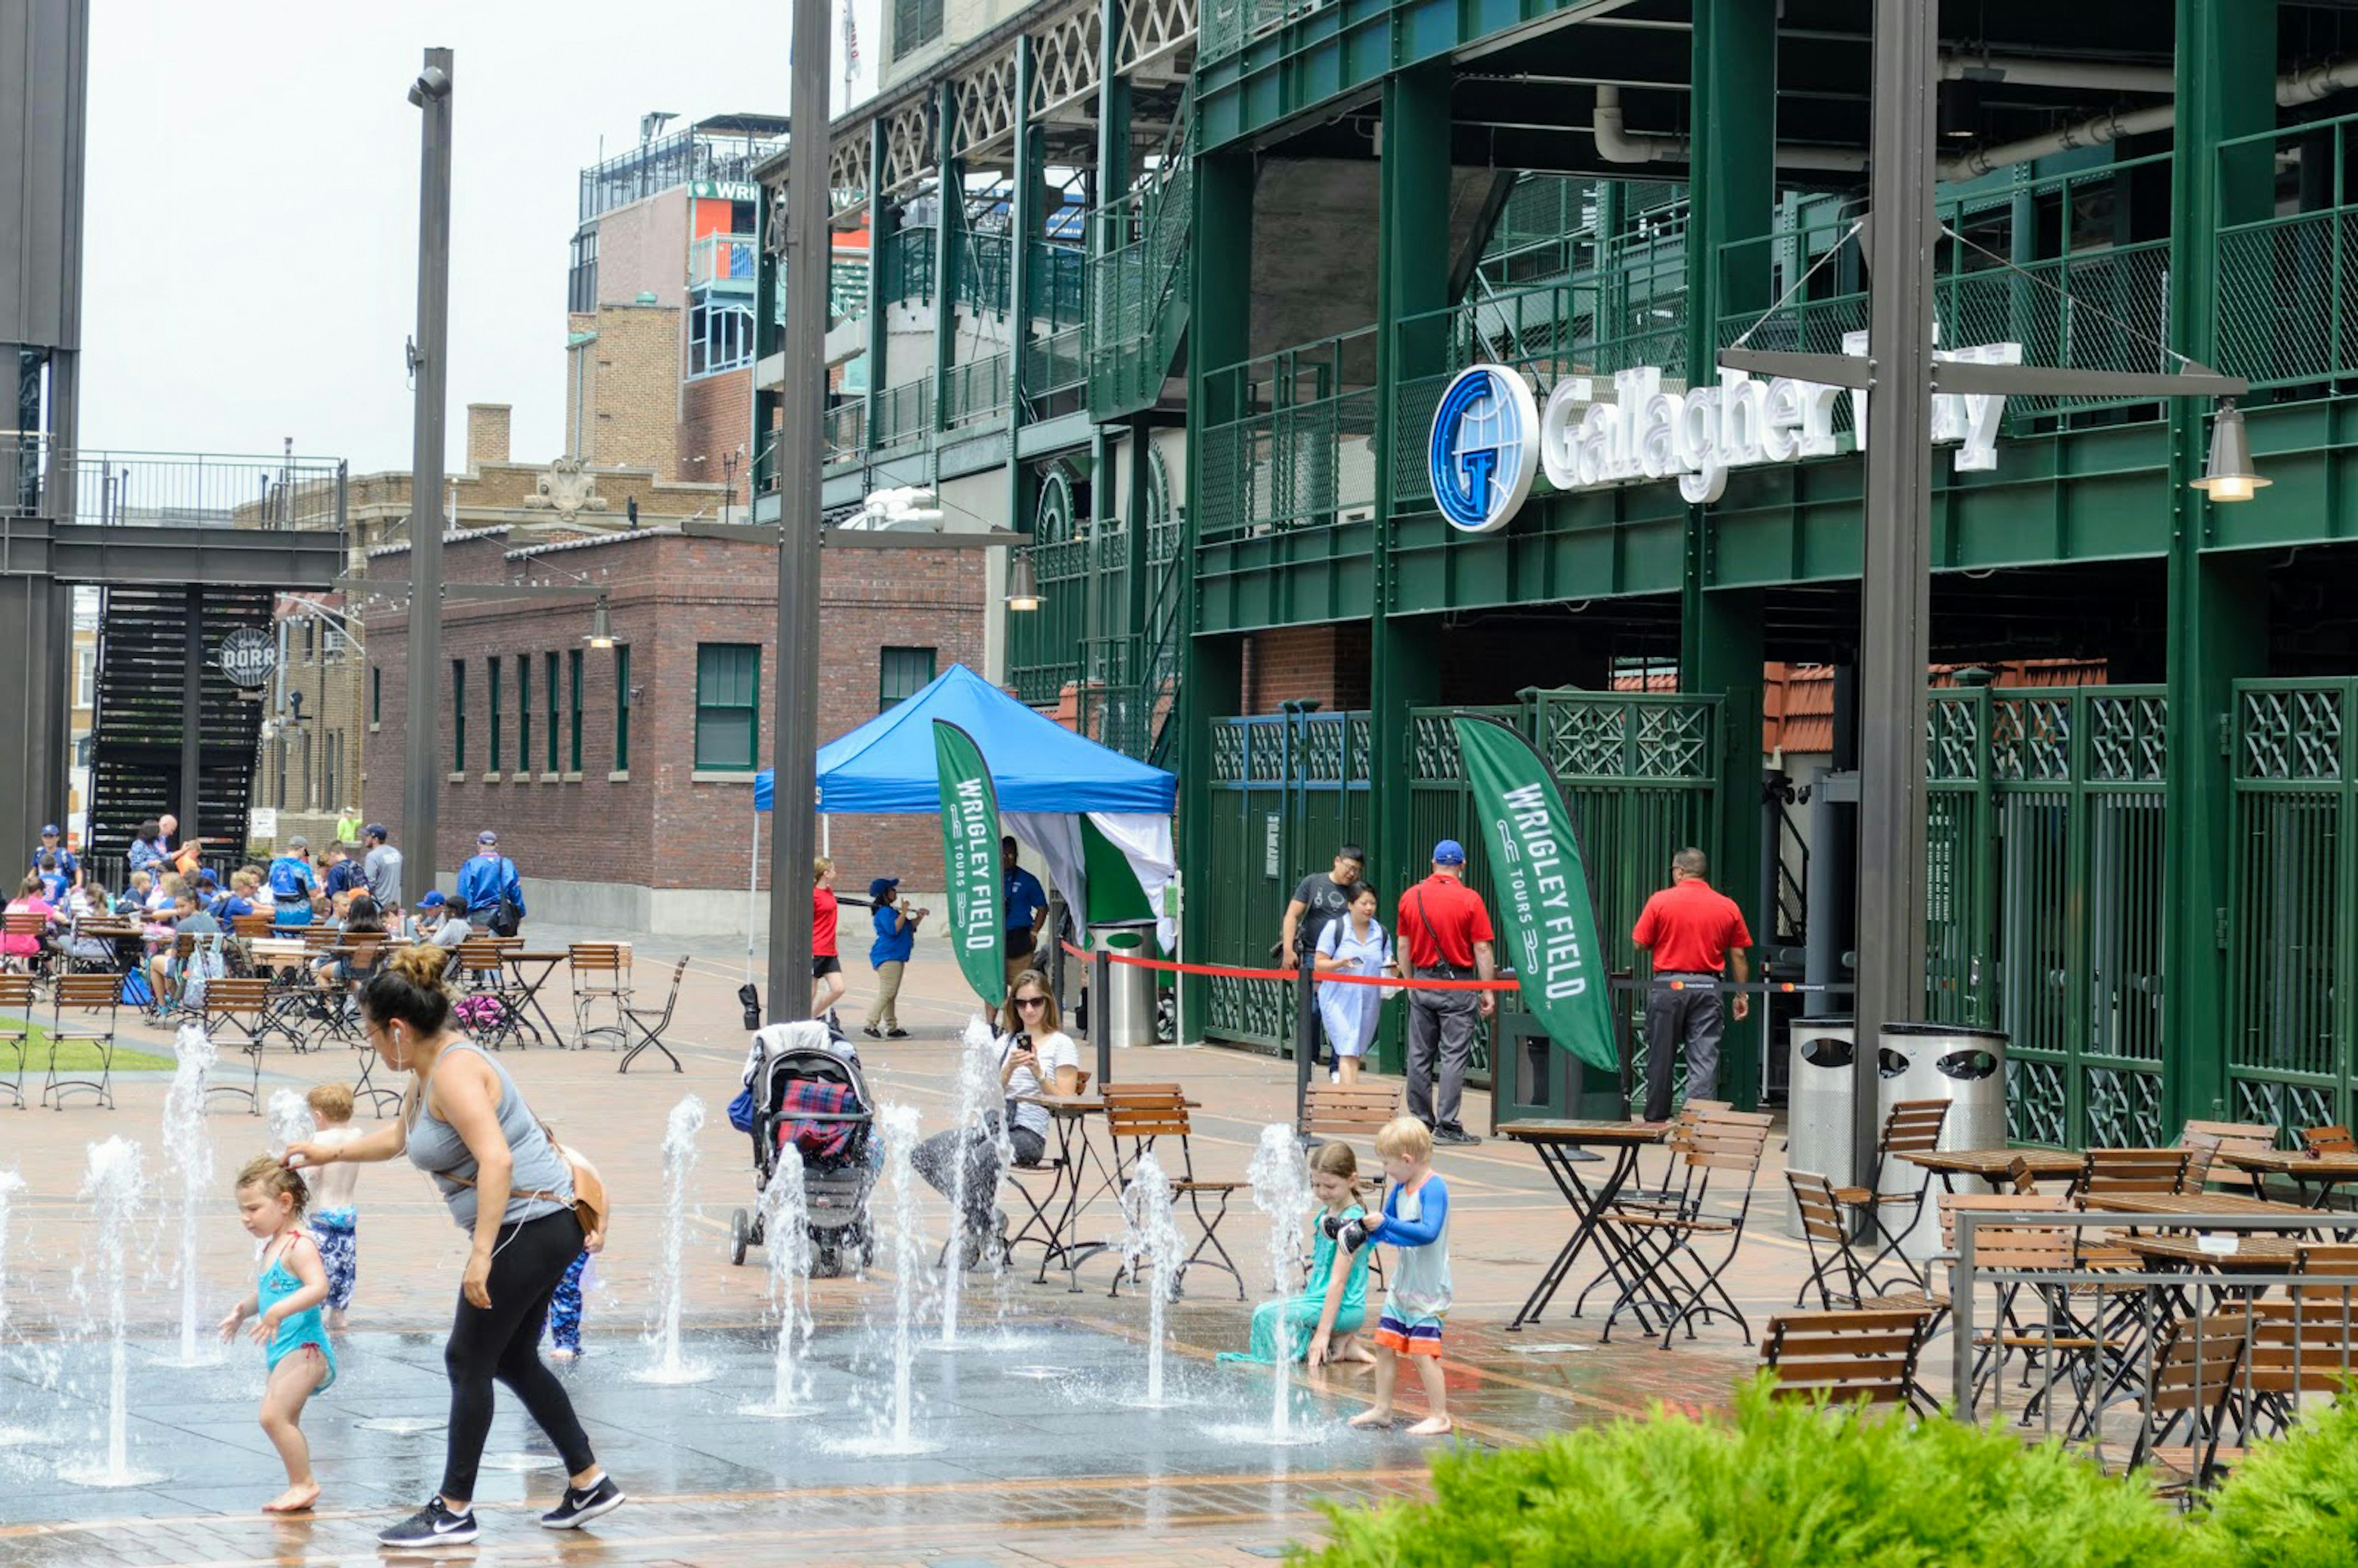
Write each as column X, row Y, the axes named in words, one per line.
column 1287, row 789
column 2076, row 781
column 2290, row 1018
column 1636, row 769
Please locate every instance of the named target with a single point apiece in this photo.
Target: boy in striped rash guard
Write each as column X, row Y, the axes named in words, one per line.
column 1415, row 1221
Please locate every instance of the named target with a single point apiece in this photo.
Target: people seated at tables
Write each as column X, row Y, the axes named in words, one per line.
column 332, row 972
column 55, row 880
column 292, row 885
column 239, row 900
column 89, row 902
column 1035, row 1058
column 168, row 972
column 134, row 898
column 159, row 897
column 22, row 951
column 436, row 923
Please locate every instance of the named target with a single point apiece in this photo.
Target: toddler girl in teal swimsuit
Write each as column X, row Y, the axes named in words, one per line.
column 286, row 1309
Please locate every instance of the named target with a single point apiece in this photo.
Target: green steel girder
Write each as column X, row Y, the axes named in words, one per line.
column 1294, row 578
column 2309, row 452
column 1345, row 47
column 2218, row 607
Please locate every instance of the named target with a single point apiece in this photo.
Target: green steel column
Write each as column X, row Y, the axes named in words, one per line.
column 1220, row 275
column 1113, row 106
column 1023, row 222
column 2218, row 607
column 1413, row 237
column 1732, row 197
column 767, row 269
column 1140, row 649
column 951, row 190
column 880, row 225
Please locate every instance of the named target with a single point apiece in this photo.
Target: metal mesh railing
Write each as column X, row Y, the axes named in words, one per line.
column 846, row 430
column 905, row 413
column 1054, row 363
column 907, row 270
column 1226, row 25
column 1303, row 454
column 169, row 489
column 975, row 391
column 2285, row 278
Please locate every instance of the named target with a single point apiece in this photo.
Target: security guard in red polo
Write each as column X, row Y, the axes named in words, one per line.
column 1446, row 935
column 1697, row 936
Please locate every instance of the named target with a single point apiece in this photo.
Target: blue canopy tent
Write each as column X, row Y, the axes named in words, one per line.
column 1082, row 806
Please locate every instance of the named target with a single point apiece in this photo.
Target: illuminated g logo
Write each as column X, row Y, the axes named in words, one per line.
column 1483, row 453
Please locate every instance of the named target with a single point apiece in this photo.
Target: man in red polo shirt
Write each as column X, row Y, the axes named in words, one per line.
column 1446, row 936
column 1697, row 935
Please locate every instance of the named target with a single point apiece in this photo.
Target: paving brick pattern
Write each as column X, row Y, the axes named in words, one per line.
column 1128, row 1506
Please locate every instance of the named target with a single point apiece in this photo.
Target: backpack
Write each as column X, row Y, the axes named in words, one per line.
column 507, row 914
column 287, row 878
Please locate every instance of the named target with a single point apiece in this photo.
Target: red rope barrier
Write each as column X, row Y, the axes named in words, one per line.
column 1172, row 967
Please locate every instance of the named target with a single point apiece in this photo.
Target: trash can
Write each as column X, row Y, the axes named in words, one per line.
column 1126, row 1013
column 1965, row 1067
column 1819, row 1051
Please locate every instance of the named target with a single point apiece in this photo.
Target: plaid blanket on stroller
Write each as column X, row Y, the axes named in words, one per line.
column 817, row 1139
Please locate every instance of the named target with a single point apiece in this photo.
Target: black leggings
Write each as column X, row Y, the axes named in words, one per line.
column 502, row 1342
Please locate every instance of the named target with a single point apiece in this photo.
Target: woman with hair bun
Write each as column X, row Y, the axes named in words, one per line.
column 464, row 1123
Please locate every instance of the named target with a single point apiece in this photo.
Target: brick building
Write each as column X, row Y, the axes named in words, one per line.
column 620, row 781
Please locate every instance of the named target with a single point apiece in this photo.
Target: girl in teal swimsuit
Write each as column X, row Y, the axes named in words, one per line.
column 286, row 1309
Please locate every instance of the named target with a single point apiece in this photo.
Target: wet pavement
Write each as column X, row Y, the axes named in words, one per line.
column 1044, row 1455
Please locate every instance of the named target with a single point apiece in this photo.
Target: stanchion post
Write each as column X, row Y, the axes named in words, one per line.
column 1101, row 1013
column 1306, row 1036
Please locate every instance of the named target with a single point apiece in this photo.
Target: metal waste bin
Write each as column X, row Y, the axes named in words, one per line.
column 1962, row 1064
column 1127, row 1011
column 1817, row 1108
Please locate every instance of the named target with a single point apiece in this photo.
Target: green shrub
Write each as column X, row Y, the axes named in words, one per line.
column 2292, row 1503
column 1776, row 1486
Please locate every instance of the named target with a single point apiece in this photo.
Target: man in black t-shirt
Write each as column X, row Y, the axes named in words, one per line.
column 1323, row 898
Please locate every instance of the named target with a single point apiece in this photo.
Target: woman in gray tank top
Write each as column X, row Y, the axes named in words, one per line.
column 465, row 1125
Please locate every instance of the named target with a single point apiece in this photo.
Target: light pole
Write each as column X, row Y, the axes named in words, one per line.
column 805, row 360
column 1895, row 581
column 428, row 360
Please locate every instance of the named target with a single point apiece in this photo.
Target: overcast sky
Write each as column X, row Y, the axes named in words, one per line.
column 250, row 212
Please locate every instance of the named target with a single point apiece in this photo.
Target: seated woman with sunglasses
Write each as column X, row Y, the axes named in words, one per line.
column 1036, row 1057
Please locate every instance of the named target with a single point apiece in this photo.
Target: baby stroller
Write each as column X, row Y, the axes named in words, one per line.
column 811, row 1103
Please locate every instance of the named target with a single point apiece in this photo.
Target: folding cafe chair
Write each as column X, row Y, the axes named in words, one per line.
column 649, row 1024
column 601, row 972
column 1152, row 1116
column 1668, row 1271
column 1910, row 1126
column 95, row 1000
column 16, row 1029
column 240, row 1006
column 28, row 923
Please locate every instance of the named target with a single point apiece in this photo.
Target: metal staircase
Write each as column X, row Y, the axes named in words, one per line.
column 1138, row 294
column 137, row 724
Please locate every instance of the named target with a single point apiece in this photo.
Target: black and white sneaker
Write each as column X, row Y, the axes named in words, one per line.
column 434, row 1525
column 583, row 1504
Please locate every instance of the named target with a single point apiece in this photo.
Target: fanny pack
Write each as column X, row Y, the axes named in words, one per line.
column 589, row 1203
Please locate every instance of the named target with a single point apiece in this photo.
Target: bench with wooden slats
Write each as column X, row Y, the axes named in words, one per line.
column 1849, row 1357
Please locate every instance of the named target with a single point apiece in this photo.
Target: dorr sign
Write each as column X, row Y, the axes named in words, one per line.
column 248, row 656
column 1488, row 437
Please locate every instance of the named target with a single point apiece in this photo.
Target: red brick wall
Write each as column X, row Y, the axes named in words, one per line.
column 662, row 828
column 1327, row 665
column 716, row 417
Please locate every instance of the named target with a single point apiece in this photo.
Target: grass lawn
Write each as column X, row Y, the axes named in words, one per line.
column 80, row 1055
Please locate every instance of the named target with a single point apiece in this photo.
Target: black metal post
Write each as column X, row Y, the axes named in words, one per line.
column 421, row 787
column 1101, row 1013
column 192, row 715
column 808, row 254
column 1895, row 588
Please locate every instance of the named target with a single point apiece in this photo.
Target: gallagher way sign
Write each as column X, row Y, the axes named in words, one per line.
column 1490, row 438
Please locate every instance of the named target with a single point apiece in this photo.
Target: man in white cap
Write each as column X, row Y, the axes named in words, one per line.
column 487, row 883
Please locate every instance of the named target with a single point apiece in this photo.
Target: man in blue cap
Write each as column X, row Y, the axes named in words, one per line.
column 486, row 883
column 68, row 867
column 1445, row 932
column 896, row 939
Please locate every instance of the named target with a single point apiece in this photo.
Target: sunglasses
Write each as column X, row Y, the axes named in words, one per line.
column 1031, row 1001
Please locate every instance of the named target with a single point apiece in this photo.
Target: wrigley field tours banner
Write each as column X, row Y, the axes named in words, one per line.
column 1546, row 922
column 970, row 856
